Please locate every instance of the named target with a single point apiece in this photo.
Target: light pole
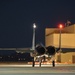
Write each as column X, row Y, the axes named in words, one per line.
column 60, row 28
column 33, row 43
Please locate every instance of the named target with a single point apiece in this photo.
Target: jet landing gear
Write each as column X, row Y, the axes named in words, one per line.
column 40, row 61
column 33, row 63
column 53, row 63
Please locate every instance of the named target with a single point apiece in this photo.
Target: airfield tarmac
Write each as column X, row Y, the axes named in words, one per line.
column 68, row 69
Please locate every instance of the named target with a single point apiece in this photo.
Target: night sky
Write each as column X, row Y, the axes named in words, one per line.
column 17, row 18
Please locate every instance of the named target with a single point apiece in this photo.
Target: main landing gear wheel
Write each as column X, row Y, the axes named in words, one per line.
column 53, row 63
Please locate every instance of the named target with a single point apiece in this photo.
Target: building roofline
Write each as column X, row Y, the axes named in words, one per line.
column 56, row 30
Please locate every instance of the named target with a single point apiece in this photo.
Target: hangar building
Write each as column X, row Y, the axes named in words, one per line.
column 52, row 36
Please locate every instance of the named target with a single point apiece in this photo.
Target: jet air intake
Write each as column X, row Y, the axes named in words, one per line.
column 50, row 50
column 40, row 50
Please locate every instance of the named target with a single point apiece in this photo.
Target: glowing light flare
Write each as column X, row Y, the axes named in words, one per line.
column 34, row 26
column 60, row 26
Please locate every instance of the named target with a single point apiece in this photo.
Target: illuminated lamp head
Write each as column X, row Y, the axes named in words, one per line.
column 60, row 26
